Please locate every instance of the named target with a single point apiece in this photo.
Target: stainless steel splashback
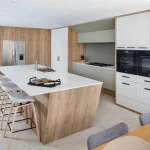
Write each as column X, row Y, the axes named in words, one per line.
column 13, row 53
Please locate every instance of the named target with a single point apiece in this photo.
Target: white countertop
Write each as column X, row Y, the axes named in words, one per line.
column 20, row 76
column 108, row 67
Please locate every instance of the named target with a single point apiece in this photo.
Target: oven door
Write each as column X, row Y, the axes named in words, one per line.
column 127, row 61
column 144, row 63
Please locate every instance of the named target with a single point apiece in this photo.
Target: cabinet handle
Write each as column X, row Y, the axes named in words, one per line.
column 125, row 77
column 120, row 47
column 130, row 47
column 147, row 89
column 143, row 47
column 125, row 83
column 147, row 81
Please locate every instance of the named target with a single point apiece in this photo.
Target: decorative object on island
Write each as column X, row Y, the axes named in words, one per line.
column 83, row 59
column 44, row 82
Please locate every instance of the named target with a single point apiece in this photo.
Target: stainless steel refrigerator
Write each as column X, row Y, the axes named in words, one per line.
column 13, row 53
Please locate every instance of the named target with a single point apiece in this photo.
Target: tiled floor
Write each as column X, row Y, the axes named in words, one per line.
column 108, row 114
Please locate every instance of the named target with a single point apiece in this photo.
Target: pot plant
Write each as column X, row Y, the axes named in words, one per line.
column 82, row 58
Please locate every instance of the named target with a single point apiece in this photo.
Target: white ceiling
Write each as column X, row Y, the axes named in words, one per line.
column 57, row 13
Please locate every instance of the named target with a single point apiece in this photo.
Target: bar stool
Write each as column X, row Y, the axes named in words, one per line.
column 3, row 79
column 20, row 100
column 7, row 87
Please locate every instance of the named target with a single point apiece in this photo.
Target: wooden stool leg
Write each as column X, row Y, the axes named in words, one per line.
column 2, row 101
column 8, row 118
column 37, row 127
column 3, row 115
column 12, row 128
column 1, row 91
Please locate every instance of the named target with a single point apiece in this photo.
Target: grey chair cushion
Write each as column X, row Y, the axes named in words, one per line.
column 100, row 138
column 145, row 119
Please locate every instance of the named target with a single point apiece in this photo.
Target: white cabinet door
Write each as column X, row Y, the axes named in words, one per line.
column 143, row 94
column 131, row 31
column 127, row 89
column 59, row 49
column 143, row 31
column 121, row 33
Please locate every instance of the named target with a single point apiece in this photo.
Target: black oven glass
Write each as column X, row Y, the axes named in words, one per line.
column 127, row 61
column 144, row 63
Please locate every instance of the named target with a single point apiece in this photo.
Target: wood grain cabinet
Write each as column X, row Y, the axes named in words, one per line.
column 133, row 32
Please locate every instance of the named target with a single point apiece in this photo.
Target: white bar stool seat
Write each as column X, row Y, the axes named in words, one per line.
column 20, row 97
column 10, row 86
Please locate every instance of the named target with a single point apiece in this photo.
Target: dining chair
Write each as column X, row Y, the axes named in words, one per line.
column 100, row 138
column 144, row 119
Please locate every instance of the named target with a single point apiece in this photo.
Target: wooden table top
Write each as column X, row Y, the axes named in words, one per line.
column 142, row 132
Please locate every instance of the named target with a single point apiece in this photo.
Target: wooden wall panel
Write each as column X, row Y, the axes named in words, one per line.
column 75, row 49
column 38, row 45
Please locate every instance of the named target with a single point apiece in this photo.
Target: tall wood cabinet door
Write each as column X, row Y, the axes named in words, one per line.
column 143, row 31
column 121, row 32
column 131, row 31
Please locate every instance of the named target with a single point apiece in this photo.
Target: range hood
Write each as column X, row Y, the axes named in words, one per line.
column 105, row 36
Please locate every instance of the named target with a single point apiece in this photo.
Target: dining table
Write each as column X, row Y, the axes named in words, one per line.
column 142, row 132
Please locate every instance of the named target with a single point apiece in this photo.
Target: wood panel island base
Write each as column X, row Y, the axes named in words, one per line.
column 63, row 110
column 63, row 113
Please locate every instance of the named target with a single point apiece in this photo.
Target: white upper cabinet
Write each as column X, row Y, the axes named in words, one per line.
column 105, row 36
column 143, row 31
column 121, row 33
column 133, row 32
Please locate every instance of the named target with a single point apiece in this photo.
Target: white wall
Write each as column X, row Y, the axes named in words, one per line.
column 59, row 48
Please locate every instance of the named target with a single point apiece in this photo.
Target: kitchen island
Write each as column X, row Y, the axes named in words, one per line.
column 62, row 110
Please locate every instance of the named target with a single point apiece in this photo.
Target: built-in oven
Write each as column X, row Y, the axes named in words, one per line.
column 144, row 63
column 127, row 61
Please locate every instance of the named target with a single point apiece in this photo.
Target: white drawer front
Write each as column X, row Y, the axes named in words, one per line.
column 143, row 94
column 134, row 105
column 127, row 89
column 126, row 76
column 143, row 80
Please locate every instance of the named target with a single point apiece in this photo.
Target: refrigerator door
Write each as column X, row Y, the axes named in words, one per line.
column 19, row 53
column 7, row 55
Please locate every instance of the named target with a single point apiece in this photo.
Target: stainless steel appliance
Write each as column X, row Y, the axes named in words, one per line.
column 13, row 53
column 144, row 63
column 99, row 64
column 127, row 61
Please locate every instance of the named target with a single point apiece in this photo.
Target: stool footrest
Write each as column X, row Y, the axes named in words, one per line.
column 11, row 113
column 22, row 129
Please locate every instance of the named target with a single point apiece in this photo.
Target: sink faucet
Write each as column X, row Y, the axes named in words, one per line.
column 36, row 64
